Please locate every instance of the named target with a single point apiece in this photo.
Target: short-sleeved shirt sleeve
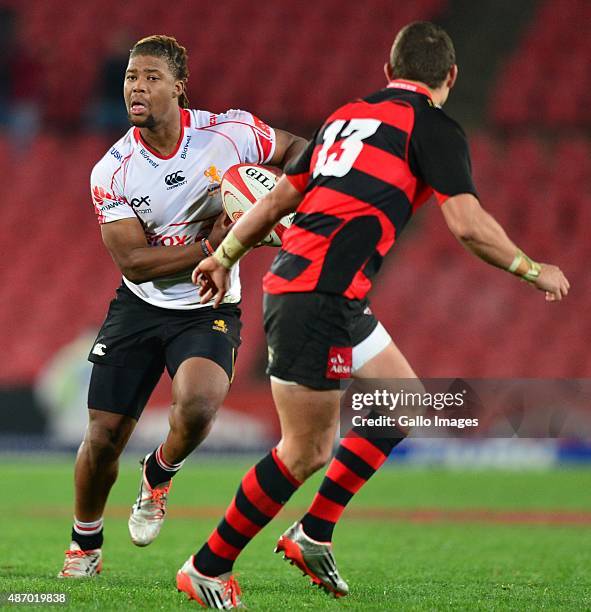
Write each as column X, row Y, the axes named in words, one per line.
column 253, row 139
column 107, row 196
column 297, row 171
column 439, row 155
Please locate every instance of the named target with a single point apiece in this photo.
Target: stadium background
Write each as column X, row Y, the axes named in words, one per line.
column 520, row 96
column 513, row 534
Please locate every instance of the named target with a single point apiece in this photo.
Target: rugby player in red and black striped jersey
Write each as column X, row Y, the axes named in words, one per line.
column 369, row 167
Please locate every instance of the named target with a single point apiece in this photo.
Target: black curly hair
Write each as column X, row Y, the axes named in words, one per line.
column 170, row 50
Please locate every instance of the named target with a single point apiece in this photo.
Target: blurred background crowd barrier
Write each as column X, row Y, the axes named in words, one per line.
column 524, row 76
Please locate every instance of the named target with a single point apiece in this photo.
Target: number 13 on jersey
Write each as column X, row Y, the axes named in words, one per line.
column 337, row 161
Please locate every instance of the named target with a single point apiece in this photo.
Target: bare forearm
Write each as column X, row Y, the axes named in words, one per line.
column 482, row 235
column 488, row 240
column 144, row 264
column 258, row 222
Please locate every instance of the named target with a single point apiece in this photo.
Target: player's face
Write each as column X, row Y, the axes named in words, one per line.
column 150, row 90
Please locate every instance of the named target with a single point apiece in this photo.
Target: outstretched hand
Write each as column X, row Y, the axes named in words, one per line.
column 212, row 279
column 553, row 281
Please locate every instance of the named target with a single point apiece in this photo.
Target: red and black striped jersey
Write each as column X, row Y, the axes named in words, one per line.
column 366, row 170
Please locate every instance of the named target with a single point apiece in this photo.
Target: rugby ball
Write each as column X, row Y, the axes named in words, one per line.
column 242, row 185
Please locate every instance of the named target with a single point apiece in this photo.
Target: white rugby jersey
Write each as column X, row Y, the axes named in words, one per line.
column 177, row 198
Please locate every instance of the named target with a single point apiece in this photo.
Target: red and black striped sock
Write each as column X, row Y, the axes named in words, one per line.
column 262, row 493
column 357, row 459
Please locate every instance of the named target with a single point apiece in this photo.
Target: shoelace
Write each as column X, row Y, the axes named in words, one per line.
column 232, row 590
column 158, row 497
column 73, row 556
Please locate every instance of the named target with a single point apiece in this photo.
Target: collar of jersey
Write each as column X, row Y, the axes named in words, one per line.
column 185, row 119
column 408, row 86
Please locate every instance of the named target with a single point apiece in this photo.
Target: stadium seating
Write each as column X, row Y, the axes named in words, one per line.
column 546, row 80
column 284, row 49
column 448, row 312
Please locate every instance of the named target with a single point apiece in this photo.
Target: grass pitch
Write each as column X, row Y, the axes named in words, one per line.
column 414, row 539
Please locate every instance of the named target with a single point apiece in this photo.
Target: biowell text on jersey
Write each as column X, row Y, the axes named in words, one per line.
column 186, row 148
column 147, row 157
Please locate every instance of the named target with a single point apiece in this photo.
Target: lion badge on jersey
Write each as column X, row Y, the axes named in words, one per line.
column 213, row 174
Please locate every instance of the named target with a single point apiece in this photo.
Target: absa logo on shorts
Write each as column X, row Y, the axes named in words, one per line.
column 340, row 362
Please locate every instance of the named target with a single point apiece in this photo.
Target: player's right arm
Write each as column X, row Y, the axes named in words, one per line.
column 140, row 263
column 123, row 233
column 479, row 232
column 438, row 154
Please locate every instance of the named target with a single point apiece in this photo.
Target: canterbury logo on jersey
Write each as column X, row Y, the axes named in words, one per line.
column 99, row 349
column 175, row 179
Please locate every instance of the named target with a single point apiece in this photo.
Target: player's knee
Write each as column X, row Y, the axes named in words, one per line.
column 104, row 442
column 302, row 462
column 319, row 458
column 193, row 411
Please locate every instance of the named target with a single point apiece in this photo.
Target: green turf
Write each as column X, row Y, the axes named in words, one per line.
column 390, row 565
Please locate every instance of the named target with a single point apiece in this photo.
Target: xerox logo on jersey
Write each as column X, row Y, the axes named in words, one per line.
column 175, row 179
column 137, row 202
column 160, row 240
column 142, row 204
column 340, row 362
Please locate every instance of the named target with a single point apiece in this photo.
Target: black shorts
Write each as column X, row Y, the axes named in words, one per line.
column 311, row 336
column 138, row 340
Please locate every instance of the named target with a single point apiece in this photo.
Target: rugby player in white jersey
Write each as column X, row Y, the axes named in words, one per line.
column 156, row 195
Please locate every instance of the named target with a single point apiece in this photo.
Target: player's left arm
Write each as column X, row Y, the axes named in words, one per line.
column 439, row 155
column 213, row 273
column 287, row 148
